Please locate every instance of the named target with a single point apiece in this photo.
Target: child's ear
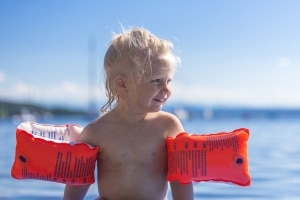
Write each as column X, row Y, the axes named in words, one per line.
column 120, row 84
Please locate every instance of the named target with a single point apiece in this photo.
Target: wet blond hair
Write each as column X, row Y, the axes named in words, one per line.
column 133, row 53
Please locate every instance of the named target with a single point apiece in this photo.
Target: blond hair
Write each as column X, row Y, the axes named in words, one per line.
column 133, row 53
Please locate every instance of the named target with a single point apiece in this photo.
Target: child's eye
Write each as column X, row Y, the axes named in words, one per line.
column 155, row 80
column 160, row 81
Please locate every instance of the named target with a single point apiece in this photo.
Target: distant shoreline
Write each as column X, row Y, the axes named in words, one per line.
column 183, row 111
column 10, row 109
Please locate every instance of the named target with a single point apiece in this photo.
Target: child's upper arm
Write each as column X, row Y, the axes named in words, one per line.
column 179, row 191
column 86, row 136
column 182, row 191
column 175, row 127
column 78, row 192
column 75, row 192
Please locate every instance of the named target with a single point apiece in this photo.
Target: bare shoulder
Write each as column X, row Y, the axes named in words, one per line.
column 166, row 116
column 171, row 122
column 93, row 131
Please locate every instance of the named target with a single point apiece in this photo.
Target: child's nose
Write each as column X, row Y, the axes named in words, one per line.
column 166, row 88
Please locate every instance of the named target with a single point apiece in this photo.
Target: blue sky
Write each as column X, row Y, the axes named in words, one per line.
column 244, row 53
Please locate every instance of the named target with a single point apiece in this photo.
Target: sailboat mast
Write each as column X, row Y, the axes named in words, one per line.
column 92, row 76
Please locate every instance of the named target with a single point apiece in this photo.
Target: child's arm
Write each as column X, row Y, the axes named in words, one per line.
column 78, row 192
column 182, row 191
column 75, row 192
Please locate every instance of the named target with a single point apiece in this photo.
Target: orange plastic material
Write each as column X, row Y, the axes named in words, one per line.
column 210, row 157
column 43, row 153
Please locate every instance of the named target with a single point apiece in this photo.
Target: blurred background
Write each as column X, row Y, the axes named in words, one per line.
column 234, row 53
column 240, row 67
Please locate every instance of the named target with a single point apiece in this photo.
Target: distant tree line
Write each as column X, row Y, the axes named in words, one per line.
column 8, row 109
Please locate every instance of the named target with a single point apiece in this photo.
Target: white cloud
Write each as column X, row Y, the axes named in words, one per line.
column 2, row 77
column 18, row 91
column 208, row 95
column 262, row 97
column 284, row 62
column 72, row 93
column 70, row 88
column 66, row 92
column 22, row 88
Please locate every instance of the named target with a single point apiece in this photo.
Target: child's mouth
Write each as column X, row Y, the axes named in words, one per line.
column 160, row 100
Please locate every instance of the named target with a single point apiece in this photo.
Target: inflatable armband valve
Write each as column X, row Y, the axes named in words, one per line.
column 51, row 153
column 211, row 157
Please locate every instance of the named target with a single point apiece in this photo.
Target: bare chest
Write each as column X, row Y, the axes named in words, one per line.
column 133, row 147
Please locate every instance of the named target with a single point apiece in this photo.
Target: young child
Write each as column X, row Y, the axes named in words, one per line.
column 132, row 163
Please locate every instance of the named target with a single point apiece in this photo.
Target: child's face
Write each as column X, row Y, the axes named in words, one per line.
column 152, row 93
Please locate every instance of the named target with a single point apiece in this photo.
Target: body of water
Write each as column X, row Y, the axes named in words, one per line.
column 273, row 150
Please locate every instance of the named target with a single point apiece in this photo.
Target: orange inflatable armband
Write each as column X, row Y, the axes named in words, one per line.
column 210, row 157
column 51, row 153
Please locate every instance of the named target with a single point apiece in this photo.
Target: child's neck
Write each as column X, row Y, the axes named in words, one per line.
column 129, row 115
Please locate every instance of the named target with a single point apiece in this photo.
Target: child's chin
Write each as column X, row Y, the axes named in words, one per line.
column 157, row 109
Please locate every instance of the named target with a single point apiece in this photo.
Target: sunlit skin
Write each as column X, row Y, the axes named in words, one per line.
column 149, row 94
column 131, row 135
column 132, row 163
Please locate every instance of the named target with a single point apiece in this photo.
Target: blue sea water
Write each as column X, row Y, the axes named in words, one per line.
column 273, row 150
